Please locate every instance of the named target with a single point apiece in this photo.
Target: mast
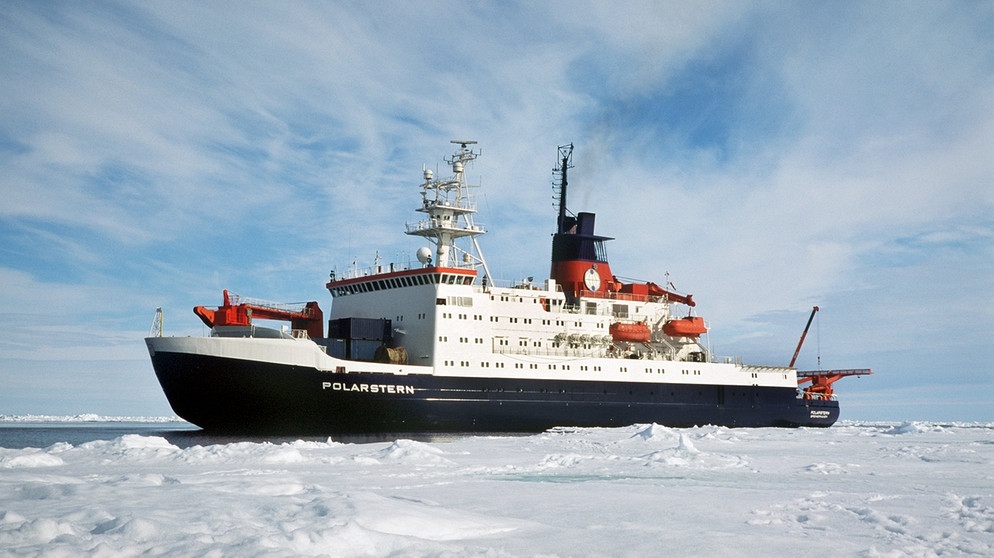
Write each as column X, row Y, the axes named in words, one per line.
column 450, row 211
column 565, row 163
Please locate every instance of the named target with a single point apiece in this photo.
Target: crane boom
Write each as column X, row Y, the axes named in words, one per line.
column 803, row 335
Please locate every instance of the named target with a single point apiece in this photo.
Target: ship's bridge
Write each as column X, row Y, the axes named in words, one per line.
column 379, row 279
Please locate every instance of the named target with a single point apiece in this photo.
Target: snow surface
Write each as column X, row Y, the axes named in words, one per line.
column 857, row 489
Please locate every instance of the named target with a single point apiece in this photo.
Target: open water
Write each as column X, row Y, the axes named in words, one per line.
column 42, row 434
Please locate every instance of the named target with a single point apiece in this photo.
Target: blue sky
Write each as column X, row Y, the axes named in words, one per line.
column 768, row 156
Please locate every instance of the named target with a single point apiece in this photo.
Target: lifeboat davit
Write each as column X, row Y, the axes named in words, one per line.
column 691, row 326
column 632, row 333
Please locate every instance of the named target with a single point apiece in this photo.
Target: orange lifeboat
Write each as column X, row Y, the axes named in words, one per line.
column 691, row 326
column 632, row 333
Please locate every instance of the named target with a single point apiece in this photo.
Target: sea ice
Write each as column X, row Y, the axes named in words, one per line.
column 914, row 489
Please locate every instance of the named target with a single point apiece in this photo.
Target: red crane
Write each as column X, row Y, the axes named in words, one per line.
column 307, row 317
column 821, row 380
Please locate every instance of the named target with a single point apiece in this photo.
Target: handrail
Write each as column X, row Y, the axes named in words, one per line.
column 376, row 269
column 295, row 307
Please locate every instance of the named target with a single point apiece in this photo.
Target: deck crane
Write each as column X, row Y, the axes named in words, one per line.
column 821, row 380
column 803, row 335
column 237, row 311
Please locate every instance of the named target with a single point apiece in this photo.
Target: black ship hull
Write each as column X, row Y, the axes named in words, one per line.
column 244, row 396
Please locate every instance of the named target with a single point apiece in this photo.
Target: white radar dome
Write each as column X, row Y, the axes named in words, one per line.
column 424, row 254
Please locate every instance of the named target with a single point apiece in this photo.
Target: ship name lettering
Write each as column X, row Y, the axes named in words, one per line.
column 819, row 414
column 368, row 388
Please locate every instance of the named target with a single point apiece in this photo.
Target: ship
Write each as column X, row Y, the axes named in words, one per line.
column 436, row 344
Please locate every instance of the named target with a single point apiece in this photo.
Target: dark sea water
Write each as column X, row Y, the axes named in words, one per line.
column 19, row 435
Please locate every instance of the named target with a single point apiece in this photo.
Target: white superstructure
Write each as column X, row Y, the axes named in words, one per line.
column 448, row 313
